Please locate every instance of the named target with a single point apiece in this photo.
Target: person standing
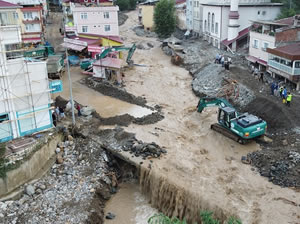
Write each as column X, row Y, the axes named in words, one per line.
column 61, row 112
column 261, row 77
column 78, row 109
column 280, row 91
column 222, row 60
column 54, row 118
column 272, row 88
column 289, row 99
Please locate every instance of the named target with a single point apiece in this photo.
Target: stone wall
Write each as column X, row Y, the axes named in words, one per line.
column 31, row 167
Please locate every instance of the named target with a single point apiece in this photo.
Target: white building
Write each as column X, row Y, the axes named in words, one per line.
column 180, row 7
column 24, row 90
column 228, row 22
column 98, row 20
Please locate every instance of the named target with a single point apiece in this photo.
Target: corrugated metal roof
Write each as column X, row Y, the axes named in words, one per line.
column 291, row 51
column 242, row 33
column 8, row 5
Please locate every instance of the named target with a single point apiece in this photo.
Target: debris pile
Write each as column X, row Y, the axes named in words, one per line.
column 68, row 193
column 213, row 81
column 280, row 164
column 139, row 31
column 119, row 140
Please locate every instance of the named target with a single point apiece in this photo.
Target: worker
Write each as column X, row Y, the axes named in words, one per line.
column 78, row 109
column 272, row 88
column 261, row 77
column 57, row 112
column 61, row 112
column 222, row 60
column 284, row 93
column 217, row 60
column 280, row 91
column 54, row 118
column 289, row 99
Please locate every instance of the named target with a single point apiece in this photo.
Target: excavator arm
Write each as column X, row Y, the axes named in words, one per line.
column 211, row 101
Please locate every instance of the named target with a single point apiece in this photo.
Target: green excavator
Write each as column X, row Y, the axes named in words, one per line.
column 86, row 64
column 239, row 127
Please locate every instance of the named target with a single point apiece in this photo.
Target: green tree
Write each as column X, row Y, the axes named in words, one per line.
column 123, row 4
column 164, row 18
column 132, row 4
column 289, row 8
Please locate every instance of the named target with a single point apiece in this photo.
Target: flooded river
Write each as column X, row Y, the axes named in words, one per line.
column 129, row 206
column 106, row 106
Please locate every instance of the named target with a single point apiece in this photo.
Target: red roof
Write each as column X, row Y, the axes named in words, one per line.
column 113, row 38
column 109, row 62
column 180, row 2
column 254, row 60
column 289, row 21
column 291, row 51
column 87, row 40
column 242, row 33
column 8, row 5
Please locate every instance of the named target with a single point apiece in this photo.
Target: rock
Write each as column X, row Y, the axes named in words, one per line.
column 150, row 45
column 285, row 142
column 3, row 206
column 140, row 46
column 70, row 138
column 57, row 150
column 110, row 216
column 86, row 111
column 59, row 159
column 38, row 191
column 42, row 186
column 1, row 215
column 30, row 190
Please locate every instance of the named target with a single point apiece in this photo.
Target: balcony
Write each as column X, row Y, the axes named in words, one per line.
column 284, row 68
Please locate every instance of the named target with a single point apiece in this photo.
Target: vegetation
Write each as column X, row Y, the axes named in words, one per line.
column 290, row 8
column 164, row 18
column 126, row 4
column 206, row 218
column 2, row 161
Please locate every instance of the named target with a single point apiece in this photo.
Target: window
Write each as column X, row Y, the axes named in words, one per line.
column 84, row 29
column 15, row 15
column 106, row 15
column 205, row 25
column 213, row 23
column 263, row 13
column 297, row 64
column 217, row 28
column 197, row 4
column 3, row 19
column 258, row 12
column 265, row 46
column 255, row 44
column 28, row 15
column 86, row 0
column 107, row 27
column 83, row 16
column 29, row 27
column 4, row 117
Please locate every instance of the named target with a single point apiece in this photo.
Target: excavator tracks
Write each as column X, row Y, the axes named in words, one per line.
column 217, row 127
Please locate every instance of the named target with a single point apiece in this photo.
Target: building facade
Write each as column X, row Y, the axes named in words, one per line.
column 98, row 20
column 25, row 95
column 284, row 62
column 146, row 14
column 223, row 23
column 180, row 7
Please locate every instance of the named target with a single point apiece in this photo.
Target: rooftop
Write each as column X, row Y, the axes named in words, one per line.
column 252, row 4
column 291, row 51
column 265, row 22
column 8, row 5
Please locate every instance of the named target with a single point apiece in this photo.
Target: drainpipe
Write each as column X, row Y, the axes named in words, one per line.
column 221, row 25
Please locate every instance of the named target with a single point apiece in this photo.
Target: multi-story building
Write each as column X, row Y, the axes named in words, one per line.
column 189, row 14
column 9, row 13
column 146, row 14
column 96, row 20
column 284, row 62
column 32, row 17
column 24, row 89
column 180, row 7
column 223, row 24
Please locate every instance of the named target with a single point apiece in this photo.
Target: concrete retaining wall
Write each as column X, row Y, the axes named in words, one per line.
column 30, row 168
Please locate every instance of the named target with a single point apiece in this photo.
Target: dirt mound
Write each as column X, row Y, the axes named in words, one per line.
column 122, row 17
column 108, row 89
column 275, row 115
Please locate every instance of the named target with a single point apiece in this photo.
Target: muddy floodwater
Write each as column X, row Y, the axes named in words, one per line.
column 106, row 106
column 129, row 206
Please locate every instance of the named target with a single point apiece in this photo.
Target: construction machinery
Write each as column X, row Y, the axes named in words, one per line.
column 87, row 63
column 239, row 127
column 55, row 66
column 41, row 51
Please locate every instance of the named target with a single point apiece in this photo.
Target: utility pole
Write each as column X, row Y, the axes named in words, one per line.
column 69, row 75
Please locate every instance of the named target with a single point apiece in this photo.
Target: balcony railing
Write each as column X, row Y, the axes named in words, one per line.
column 280, row 66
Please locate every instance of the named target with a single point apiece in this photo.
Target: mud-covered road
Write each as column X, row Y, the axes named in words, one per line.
column 200, row 162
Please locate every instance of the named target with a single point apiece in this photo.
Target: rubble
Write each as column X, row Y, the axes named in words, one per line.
column 139, row 31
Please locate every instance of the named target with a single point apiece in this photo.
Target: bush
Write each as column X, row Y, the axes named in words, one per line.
column 163, row 219
column 3, row 168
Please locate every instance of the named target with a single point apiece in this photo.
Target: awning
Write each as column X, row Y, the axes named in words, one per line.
column 95, row 48
column 31, row 40
column 76, row 45
column 254, row 60
column 109, row 62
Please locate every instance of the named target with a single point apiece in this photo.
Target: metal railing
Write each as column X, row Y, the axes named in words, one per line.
column 280, row 66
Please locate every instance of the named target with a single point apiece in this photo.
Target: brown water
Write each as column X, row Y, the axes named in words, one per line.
column 129, row 206
column 106, row 106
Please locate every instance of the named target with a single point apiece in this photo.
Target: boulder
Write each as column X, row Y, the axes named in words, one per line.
column 59, row 158
column 110, row 216
column 30, row 190
column 86, row 111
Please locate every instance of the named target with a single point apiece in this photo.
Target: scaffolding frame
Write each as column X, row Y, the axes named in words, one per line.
column 7, row 95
